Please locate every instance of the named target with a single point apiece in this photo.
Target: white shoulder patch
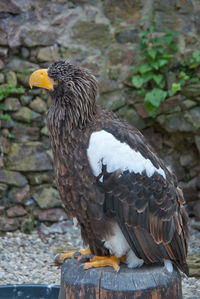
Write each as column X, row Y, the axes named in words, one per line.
column 168, row 265
column 105, row 149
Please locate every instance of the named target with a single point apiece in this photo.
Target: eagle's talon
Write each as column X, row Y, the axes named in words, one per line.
column 57, row 258
column 76, row 255
column 85, row 258
column 103, row 261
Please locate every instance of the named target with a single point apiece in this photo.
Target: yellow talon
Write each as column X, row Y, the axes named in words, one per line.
column 103, row 261
column 60, row 257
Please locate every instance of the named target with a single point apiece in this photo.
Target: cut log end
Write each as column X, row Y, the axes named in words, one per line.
column 150, row 281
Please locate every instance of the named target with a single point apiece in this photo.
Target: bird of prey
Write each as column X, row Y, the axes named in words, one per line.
column 126, row 201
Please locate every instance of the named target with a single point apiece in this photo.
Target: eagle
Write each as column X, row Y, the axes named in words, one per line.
column 125, row 199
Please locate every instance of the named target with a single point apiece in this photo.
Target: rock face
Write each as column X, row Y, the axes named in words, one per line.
column 30, row 156
column 101, row 36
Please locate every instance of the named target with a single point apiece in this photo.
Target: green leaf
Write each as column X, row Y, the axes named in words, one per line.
column 155, row 65
column 11, row 136
column 196, row 54
column 151, row 109
column 162, row 62
column 151, row 28
column 155, row 96
column 166, row 55
column 168, row 39
column 157, row 40
column 147, row 76
column 193, row 80
column 3, row 107
column 159, row 49
column 182, row 74
column 5, row 116
column 173, row 46
column 144, row 68
column 174, row 89
column 141, row 45
column 142, row 91
column 158, row 78
column 137, row 81
column 152, row 53
column 194, row 65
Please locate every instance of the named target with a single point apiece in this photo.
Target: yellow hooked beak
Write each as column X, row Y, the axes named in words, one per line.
column 40, row 78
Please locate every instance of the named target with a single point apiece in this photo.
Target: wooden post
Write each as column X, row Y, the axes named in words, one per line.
column 148, row 282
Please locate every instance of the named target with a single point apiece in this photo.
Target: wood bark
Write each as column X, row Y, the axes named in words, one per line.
column 148, row 282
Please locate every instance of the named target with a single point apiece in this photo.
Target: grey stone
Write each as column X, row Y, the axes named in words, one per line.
column 123, row 55
column 187, row 159
column 1, row 64
column 30, row 156
column 193, row 117
column 19, row 195
column 12, row 104
column 192, row 90
column 7, row 224
column 26, row 115
column 2, row 78
column 66, row 16
column 48, row 53
column 11, row 78
column 38, row 105
column 79, row 53
column 40, row 178
column 3, row 36
column 197, row 142
column 3, row 51
column 25, row 100
column 9, row 6
column 8, row 124
column 187, row 104
column 16, row 211
column 25, row 52
column 131, row 116
column 3, row 189
column 4, row 143
column 52, row 215
column 95, row 35
column 106, row 85
column 45, row 131
column 24, row 133
column 16, row 64
column 56, row 228
column 127, row 36
column 39, row 36
column 174, row 123
column 47, row 197
column 112, row 100
column 12, row 178
column 128, row 11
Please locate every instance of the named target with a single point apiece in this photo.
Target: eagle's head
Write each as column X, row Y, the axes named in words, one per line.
column 71, row 87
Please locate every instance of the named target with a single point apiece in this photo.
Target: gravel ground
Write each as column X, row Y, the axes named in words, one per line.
column 28, row 258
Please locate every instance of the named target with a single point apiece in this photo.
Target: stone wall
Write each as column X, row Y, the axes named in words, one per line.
column 101, row 35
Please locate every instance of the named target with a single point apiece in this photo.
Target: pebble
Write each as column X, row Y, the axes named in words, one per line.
column 28, row 258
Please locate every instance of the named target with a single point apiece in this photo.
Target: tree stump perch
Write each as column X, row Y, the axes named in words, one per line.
column 148, row 282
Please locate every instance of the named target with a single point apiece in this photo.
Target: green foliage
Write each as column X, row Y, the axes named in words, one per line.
column 25, row 72
column 195, row 59
column 150, row 78
column 4, row 92
column 9, row 89
column 157, row 49
column 5, row 116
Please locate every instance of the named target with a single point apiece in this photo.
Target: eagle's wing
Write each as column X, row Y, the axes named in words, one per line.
column 141, row 194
